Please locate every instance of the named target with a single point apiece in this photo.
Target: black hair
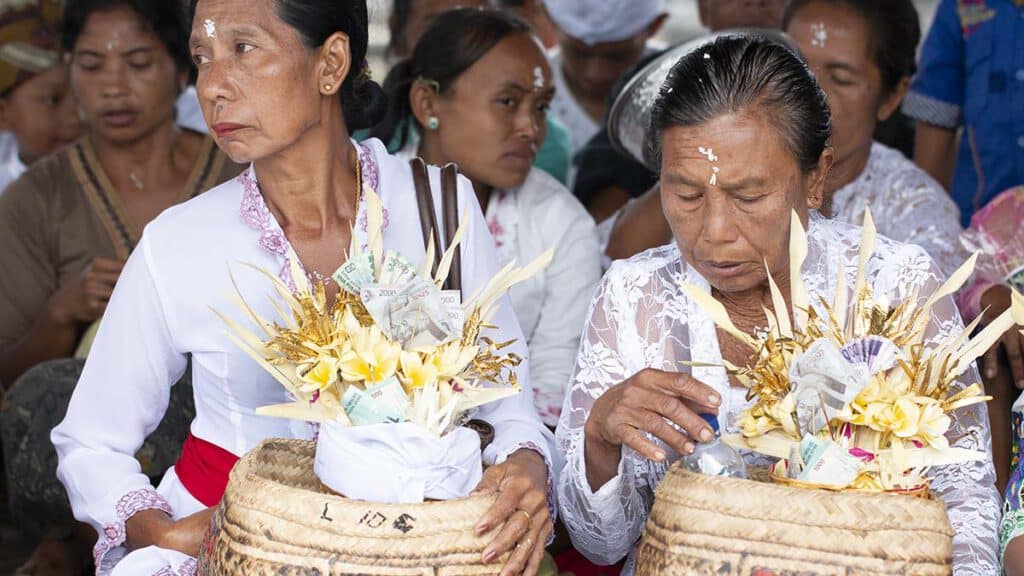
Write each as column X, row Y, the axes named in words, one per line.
column 895, row 31
column 166, row 19
column 362, row 99
column 451, row 45
column 401, row 11
column 735, row 73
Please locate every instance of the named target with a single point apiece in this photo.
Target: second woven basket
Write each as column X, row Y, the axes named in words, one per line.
column 727, row 526
column 277, row 518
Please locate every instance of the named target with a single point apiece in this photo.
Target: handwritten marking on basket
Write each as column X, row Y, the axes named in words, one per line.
column 710, row 155
column 324, row 516
column 373, row 519
column 403, row 523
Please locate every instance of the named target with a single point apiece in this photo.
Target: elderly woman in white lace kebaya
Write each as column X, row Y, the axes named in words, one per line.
column 740, row 131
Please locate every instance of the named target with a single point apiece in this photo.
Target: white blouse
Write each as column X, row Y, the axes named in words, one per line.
column 160, row 314
column 640, row 318
column 552, row 306
column 907, row 204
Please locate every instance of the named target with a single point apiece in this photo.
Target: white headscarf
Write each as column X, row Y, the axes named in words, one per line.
column 598, row 21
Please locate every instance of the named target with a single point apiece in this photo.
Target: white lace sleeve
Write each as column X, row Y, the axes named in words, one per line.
column 968, row 490
column 604, row 525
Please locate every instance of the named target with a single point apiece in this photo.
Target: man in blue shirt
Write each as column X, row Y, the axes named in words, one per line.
column 971, row 76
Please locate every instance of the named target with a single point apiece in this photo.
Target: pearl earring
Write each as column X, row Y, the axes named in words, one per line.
column 433, row 123
column 328, row 87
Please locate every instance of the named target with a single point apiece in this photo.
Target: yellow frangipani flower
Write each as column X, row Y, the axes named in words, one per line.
column 877, row 416
column 371, row 358
column 319, row 375
column 416, row 373
column 933, row 424
column 905, row 416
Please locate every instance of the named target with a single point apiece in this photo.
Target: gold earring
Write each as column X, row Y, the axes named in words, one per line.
column 328, row 87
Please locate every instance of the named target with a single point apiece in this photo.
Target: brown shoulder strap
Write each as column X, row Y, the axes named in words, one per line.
column 425, row 202
column 450, row 212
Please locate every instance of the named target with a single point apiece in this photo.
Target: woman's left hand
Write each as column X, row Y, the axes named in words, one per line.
column 521, row 483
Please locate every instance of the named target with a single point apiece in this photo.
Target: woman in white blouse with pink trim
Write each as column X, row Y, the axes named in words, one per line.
column 281, row 84
column 478, row 86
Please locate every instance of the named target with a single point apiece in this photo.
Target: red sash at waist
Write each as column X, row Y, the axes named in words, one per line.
column 203, row 469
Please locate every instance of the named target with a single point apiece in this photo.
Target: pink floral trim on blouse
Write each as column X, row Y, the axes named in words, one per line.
column 256, row 214
column 129, row 505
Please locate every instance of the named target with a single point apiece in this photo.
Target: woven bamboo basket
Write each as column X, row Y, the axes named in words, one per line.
column 727, row 526
column 277, row 518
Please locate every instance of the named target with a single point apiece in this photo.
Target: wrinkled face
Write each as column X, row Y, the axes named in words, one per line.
column 124, row 79
column 728, row 188
column 493, row 118
column 594, row 70
column 421, row 14
column 257, row 82
column 41, row 113
column 726, row 14
column 835, row 42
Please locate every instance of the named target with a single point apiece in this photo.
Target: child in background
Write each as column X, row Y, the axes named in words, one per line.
column 36, row 104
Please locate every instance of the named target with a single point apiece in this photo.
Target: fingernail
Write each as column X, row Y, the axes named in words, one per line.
column 482, row 528
column 705, row 435
column 715, row 399
column 990, row 373
column 690, row 448
column 660, row 455
column 489, row 555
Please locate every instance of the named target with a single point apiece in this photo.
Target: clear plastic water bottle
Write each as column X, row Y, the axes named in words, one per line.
column 715, row 458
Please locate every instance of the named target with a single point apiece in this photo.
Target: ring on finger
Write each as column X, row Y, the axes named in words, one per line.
column 529, row 519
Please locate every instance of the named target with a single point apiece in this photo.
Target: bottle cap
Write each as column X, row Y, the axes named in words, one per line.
column 712, row 420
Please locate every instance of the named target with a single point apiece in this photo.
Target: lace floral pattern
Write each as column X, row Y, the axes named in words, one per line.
column 907, row 205
column 187, row 568
column 256, row 214
column 114, row 535
column 640, row 318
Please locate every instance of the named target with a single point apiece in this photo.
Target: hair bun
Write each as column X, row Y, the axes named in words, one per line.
column 367, row 106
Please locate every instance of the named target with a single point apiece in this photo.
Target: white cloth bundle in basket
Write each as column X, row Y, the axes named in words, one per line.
column 409, row 464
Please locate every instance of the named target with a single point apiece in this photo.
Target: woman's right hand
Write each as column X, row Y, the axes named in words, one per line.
column 156, row 528
column 626, row 412
column 85, row 301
